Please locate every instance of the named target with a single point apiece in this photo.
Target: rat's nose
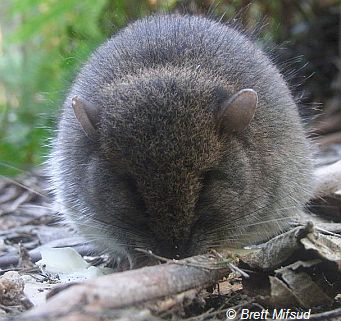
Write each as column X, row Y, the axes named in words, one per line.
column 172, row 249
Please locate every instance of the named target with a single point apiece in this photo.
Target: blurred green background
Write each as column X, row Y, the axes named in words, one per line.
column 44, row 42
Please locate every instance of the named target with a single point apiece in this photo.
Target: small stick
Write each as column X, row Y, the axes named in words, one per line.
column 126, row 289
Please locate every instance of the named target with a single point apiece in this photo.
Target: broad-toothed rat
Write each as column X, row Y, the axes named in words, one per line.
column 179, row 135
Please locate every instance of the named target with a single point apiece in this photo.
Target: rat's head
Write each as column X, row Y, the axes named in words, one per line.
column 157, row 137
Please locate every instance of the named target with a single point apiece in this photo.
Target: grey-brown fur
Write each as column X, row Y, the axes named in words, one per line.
column 160, row 175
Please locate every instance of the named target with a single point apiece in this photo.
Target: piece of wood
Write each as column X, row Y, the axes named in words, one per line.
column 270, row 255
column 327, row 180
column 130, row 288
column 127, row 314
column 328, row 125
column 326, row 140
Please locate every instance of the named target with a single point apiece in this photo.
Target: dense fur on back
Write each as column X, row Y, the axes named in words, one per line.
column 161, row 176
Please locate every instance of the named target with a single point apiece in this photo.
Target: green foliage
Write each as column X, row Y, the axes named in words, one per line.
column 44, row 44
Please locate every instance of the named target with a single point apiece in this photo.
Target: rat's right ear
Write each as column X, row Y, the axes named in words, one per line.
column 237, row 112
column 87, row 116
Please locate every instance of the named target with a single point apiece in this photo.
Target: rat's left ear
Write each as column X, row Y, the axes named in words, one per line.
column 87, row 116
column 237, row 112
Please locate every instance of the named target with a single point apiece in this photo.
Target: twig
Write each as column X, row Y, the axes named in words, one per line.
column 130, row 288
column 327, row 180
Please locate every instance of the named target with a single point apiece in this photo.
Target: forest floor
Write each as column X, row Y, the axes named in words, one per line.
column 299, row 270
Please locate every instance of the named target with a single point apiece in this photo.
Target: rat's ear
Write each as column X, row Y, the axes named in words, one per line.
column 237, row 112
column 87, row 116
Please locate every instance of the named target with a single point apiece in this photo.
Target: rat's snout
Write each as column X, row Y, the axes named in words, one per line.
column 172, row 249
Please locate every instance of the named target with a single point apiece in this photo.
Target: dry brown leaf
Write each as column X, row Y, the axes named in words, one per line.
column 327, row 246
column 281, row 295
column 302, row 286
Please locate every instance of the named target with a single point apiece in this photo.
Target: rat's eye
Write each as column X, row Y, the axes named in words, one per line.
column 135, row 195
column 214, row 175
column 131, row 182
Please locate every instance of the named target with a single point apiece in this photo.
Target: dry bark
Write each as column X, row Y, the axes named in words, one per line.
column 327, row 180
column 130, row 289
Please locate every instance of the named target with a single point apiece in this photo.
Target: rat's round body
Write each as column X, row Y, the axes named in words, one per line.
column 179, row 135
